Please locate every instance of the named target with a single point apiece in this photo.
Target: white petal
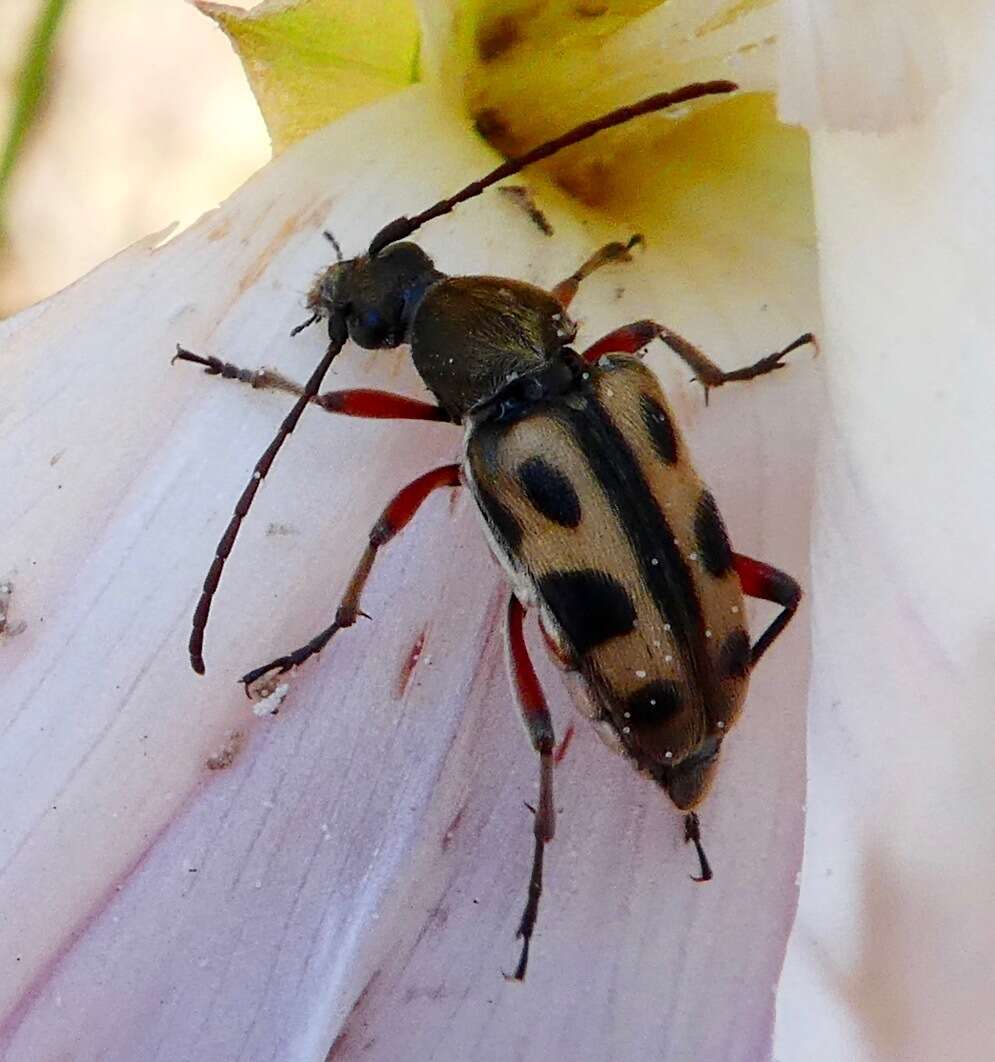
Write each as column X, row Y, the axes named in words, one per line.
column 870, row 65
column 352, row 881
column 892, row 952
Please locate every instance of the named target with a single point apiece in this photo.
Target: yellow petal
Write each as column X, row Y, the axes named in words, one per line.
column 311, row 61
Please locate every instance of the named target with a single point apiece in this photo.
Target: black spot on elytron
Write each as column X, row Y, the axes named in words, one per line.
column 710, row 534
column 653, row 705
column 734, row 656
column 502, row 520
column 589, row 605
column 550, row 492
column 663, row 568
column 660, row 429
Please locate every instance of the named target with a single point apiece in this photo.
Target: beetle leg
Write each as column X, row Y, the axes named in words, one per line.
column 394, row 518
column 769, row 584
column 267, row 379
column 354, row 402
column 629, row 339
column 539, row 725
column 709, row 375
column 364, row 402
column 560, row 752
column 611, row 252
column 557, row 650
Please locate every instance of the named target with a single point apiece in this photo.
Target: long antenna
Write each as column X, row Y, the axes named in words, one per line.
column 224, row 547
column 402, row 227
column 398, row 229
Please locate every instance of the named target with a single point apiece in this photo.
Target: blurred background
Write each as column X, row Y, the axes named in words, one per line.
column 117, row 119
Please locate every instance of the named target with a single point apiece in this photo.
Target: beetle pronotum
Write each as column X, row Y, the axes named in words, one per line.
column 583, row 483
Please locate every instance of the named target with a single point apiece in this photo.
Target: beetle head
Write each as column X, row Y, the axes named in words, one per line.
column 376, row 295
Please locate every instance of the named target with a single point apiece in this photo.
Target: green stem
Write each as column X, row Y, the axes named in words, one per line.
column 31, row 84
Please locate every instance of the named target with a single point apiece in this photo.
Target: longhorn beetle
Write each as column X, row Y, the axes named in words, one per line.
column 584, row 485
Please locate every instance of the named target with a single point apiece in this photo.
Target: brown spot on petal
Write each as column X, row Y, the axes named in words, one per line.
column 560, row 752
column 410, row 662
column 354, row 1023
column 497, row 37
column 591, row 182
column 447, row 837
column 263, row 259
column 491, row 124
column 590, row 9
column 7, row 628
column 219, row 232
column 225, row 756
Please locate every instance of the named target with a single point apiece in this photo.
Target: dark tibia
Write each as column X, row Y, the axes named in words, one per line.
column 535, row 715
column 692, row 833
column 769, row 584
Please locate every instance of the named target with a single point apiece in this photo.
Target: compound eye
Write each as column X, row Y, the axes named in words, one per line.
column 372, row 322
column 510, row 409
column 369, row 329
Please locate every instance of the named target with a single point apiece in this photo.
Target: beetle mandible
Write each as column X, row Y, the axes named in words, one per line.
column 584, row 486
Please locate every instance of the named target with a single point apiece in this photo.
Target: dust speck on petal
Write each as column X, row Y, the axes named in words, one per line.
column 269, row 704
column 226, row 753
column 8, row 629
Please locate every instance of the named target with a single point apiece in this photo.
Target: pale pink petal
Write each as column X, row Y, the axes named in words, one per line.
column 868, row 65
column 350, row 885
column 891, row 957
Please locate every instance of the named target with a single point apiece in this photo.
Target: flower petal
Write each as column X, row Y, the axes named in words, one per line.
column 892, row 952
column 310, row 61
column 351, row 881
column 867, row 65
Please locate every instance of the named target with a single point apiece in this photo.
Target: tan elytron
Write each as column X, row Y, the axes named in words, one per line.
column 609, row 546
